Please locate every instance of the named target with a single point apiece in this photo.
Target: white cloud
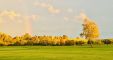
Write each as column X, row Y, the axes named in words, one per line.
column 41, row 5
column 66, row 18
column 14, row 16
column 50, row 8
column 34, row 17
column 53, row 10
column 16, row 0
column 70, row 10
column 11, row 15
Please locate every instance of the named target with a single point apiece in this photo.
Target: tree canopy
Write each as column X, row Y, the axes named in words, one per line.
column 90, row 29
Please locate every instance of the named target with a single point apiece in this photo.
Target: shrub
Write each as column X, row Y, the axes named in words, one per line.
column 1, row 43
column 69, row 42
column 99, row 42
column 29, row 42
column 107, row 41
column 90, row 42
column 17, row 43
column 80, row 42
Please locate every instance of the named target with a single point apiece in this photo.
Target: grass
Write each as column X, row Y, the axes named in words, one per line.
column 102, row 52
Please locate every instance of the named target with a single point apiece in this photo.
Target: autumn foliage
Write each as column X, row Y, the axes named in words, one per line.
column 28, row 40
column 90, row 30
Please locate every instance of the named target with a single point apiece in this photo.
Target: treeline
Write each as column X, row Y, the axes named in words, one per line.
column 28, row 40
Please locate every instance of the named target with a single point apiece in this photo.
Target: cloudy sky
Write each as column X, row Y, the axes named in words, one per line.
column 54, row 17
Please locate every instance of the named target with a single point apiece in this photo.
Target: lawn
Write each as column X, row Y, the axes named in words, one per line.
column 102, row 52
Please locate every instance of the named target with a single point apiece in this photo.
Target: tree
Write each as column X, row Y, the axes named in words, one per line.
column 63, row 39
column 6, row 39
column 90, row 29
column 26, row 36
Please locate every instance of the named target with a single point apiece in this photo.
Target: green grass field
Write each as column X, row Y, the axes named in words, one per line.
column 102, row 52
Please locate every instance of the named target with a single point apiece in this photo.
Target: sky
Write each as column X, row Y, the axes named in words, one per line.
column 54, row 17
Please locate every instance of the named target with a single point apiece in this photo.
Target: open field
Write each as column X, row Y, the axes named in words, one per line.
column 102, row 52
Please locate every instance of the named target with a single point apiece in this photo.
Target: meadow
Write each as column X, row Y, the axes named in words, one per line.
column 98, row 52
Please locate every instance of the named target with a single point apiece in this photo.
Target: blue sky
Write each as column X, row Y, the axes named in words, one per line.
column 54, row 17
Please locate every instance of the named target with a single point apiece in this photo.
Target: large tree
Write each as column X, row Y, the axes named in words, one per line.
column 90, row 28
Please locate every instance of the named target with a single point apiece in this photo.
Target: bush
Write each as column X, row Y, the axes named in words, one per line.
column 17, row 44
column 107, row 41
column 90, row 42
column 69, row 42
column 99, row 42
column 29, row 43
column 80, row 42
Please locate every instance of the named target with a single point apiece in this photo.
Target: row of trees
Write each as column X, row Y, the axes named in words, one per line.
column 26, row 39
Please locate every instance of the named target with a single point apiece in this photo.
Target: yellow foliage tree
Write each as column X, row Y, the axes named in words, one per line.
column 90, row 30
